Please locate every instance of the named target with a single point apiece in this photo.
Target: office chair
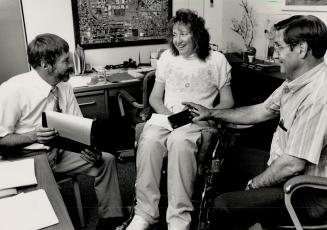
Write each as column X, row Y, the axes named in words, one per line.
column 143, row 107
column 209, row 136
column 290, row 187
column 63, row 178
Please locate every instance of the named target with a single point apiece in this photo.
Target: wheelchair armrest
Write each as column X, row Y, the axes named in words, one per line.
column 124, row 95
column 305, row 181
column 208, row 140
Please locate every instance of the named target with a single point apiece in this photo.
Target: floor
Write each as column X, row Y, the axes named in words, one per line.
column 126, row 172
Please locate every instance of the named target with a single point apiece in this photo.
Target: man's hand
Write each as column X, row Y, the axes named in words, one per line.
column 92, row 156
column 199, row 112
column 43, row 135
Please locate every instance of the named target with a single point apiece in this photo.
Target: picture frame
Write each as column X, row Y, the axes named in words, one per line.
column 117, row 23
column 304, row 5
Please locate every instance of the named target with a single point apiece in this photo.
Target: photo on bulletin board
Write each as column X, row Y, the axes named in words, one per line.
column 305, row 5
column 116, row 23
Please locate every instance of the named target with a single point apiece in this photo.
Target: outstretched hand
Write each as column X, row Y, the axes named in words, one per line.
column 199, row 112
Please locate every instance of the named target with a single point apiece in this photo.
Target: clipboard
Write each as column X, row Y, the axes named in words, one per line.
column 70, row 140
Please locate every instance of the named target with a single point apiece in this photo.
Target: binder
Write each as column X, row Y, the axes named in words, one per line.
column 75, row 133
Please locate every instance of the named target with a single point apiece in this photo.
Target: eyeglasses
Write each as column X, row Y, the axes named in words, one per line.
column 278, row 48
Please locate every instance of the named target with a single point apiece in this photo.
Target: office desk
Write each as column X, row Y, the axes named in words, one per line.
column 99, row 102
column 249, row 87
column 46, row 181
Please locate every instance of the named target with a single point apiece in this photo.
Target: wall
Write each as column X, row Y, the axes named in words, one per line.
column 55, row 16
column 264, row 10
column 13, row 59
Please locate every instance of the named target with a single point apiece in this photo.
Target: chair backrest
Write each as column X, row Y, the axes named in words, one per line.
column 148, row 83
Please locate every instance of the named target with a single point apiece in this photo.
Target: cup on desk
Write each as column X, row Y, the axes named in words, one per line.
column 251, row 58
column 102, row 74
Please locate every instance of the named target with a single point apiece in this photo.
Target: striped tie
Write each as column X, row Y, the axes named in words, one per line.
column 55, row 94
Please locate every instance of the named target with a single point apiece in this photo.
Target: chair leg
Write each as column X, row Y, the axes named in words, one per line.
column 78, row 202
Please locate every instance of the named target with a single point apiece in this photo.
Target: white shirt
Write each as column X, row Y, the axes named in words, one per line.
column 24, row 97
column 191, row 79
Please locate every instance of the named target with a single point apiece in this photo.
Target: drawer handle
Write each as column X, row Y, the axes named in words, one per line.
column 87, row 103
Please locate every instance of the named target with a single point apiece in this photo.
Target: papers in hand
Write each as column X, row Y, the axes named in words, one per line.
column 17, row 173
column 27, row 211
column 160, row 120
column 69, row 126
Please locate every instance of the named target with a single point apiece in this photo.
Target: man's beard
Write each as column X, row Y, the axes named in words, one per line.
column 65, row 77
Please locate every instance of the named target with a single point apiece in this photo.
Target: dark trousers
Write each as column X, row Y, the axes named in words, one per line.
column 236, row 208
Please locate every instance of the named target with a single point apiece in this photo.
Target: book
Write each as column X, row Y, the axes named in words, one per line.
column 173, row 121
column 27, row 211
column 17, row 173
column 75, row 133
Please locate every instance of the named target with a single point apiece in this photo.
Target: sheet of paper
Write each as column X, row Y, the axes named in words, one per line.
column 17, row 173
column 79, row 81
column 135, row 73
column 27, row 211
column 160, row 120
column 7, row 192
column 71, row 127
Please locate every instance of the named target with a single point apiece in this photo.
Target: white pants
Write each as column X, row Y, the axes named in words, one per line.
column 181, row 146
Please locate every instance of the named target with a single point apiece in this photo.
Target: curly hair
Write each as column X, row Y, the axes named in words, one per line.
column 46, row 47
column 200, row 34
column 308, row 28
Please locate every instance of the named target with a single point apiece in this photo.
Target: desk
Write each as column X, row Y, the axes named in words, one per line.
column 99, row 102
column 46, row 181
column 249, row 87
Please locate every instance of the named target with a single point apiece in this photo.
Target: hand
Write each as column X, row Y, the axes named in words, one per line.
column 43, row 134
column 199, row 112
column 92, row 156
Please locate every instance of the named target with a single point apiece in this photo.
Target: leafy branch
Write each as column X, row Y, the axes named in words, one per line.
column 245, row 27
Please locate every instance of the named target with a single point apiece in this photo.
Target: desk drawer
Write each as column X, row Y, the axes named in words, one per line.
column 94, row 104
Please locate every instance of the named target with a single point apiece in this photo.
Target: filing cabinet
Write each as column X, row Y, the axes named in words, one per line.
column 94, row 104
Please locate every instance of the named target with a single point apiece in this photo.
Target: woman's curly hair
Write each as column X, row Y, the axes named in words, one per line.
column 200, row 34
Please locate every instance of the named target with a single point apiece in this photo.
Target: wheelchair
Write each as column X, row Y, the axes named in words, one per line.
column 207, row 156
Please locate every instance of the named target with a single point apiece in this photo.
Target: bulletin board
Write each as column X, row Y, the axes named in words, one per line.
column 115, row 23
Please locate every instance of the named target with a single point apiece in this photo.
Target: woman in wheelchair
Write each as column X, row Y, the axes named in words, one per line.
column 188, row 71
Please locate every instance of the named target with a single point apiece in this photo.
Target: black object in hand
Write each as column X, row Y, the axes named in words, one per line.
column 180, row 119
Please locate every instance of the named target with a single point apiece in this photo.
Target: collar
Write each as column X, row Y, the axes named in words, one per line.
column 304, row 79
column 42, row 86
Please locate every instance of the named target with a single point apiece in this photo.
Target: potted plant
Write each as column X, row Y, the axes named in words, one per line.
column 245, row 28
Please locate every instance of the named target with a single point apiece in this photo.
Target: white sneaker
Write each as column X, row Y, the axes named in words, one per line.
column 138, row 223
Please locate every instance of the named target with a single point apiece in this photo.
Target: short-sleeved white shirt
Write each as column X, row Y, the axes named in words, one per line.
column 191, row 79
column 24, row 97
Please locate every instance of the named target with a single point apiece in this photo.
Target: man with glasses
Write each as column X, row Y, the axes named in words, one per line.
column 298, row 145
